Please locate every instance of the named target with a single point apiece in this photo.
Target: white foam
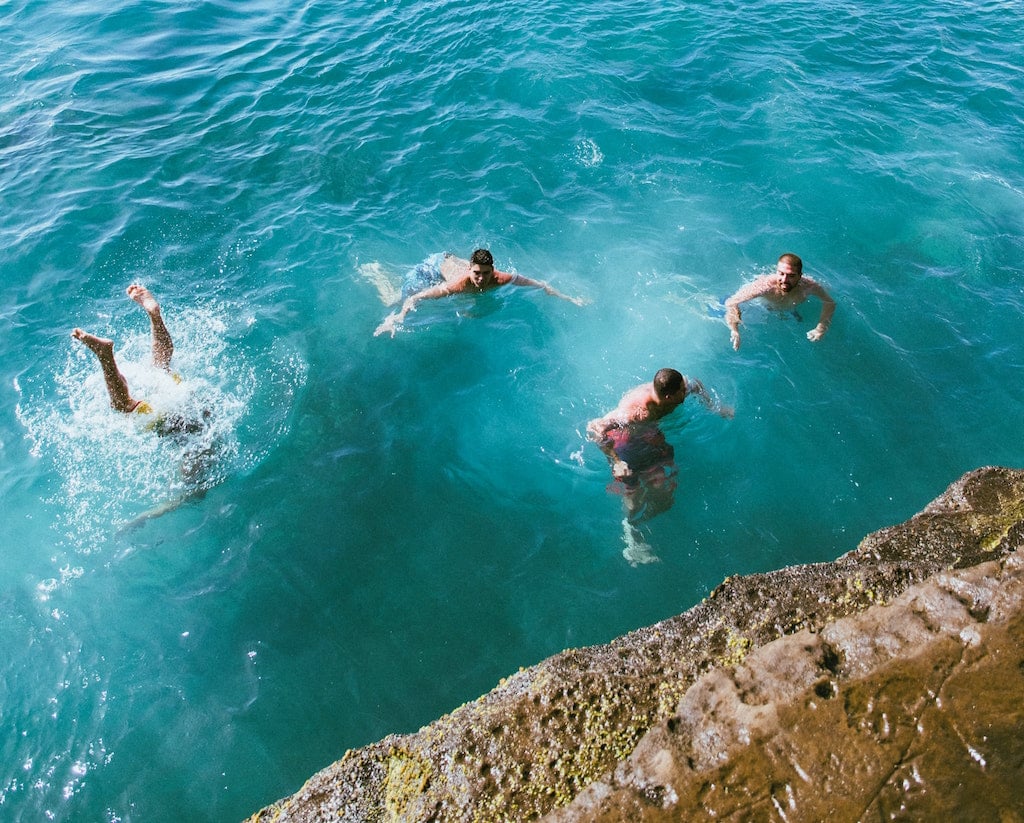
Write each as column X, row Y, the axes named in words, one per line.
column 113, row 467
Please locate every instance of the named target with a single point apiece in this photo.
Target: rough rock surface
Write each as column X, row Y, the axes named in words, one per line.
column 837, row 689
column 908, row 711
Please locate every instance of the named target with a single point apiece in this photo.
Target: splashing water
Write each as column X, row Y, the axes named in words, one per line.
column 117, row 470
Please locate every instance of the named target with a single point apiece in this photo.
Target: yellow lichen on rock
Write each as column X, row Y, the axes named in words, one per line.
column 737, row 646
column 408, row 777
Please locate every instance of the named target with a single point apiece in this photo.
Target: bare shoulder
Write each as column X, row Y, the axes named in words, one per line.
column 812, row 286
column 634, row 404
column 755, row 288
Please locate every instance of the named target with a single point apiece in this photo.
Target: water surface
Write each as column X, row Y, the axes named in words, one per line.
column 393, row 525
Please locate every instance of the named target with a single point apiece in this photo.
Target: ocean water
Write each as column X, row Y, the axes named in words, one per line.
column 386, row 527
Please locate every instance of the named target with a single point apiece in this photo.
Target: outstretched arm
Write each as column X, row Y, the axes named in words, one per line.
column 828, row 308
column 394, row 320
column 732, row 307
column 732, row 320
column 519, row 280
column 732, row 313
column 696, row 388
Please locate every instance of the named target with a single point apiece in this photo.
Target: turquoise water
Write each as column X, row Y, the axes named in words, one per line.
column 391, row 526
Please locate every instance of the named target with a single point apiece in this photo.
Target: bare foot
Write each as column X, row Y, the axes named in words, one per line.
column 637, row 550
column 144, row 297
column 99, row 345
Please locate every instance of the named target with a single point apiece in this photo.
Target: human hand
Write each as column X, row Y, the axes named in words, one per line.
column 734, row 337
column 815, row 334
column 580, row 301
column 728, row 412
column 621, row 470
column 390, row 325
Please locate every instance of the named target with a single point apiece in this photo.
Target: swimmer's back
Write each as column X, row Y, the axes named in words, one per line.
column 453, row 268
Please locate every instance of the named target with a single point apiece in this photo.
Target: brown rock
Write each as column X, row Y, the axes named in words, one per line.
column 908, row 711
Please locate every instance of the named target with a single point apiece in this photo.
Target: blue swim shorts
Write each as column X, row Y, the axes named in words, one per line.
column 423, row 275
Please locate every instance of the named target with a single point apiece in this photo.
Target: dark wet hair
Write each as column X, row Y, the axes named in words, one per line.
column 482, row 257
column 794, row 261
column 667, row 382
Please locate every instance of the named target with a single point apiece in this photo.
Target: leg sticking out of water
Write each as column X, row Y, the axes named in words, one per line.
column 389, row 293
column 117, row 387
column 163, row 347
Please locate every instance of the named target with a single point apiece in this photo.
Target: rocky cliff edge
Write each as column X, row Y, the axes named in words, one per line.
column 886, row 684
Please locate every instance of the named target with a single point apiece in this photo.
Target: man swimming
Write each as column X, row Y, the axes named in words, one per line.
column 641, row 459
column 787, row 288
column 442, row 276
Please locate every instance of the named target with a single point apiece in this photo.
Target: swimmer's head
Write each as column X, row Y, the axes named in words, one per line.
column 481, row 267
column 483, row 257
column 788, row 271
column 667, row 383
